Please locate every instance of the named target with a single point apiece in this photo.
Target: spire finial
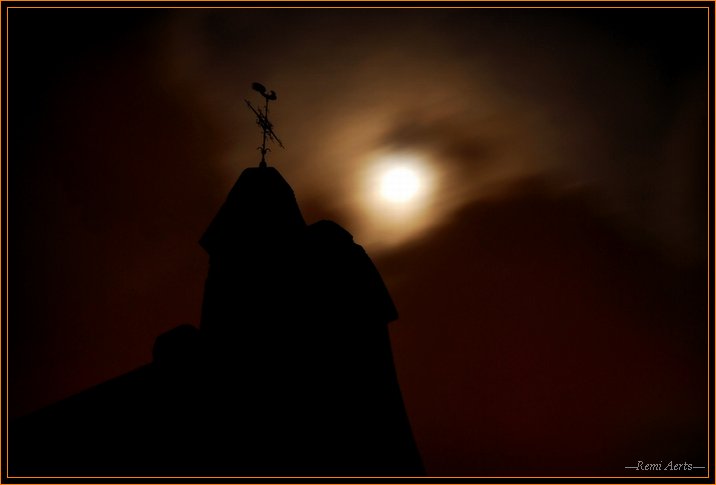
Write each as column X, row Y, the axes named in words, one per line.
column 263, row 121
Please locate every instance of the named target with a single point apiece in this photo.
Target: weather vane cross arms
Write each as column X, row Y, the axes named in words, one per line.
column 263, row 121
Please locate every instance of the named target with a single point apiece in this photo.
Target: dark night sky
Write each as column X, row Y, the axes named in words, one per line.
column 551, row 278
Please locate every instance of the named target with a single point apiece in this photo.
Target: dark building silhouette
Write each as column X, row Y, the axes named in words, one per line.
column 289, row 374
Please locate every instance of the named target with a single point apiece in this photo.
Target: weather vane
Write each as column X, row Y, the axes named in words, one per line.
column 263, row 121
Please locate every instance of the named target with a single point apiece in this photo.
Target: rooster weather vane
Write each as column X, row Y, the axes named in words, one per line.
column 263, row 121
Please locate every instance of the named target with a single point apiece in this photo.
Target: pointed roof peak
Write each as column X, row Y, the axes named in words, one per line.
column 261, row 209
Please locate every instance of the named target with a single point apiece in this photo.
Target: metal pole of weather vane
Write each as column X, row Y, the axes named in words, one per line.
column 263, row 121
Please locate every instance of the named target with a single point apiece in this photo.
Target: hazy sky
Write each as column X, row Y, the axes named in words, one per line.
column 562, row 221
column 487, row 97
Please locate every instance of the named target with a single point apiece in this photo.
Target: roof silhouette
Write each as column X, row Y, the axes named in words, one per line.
column 290, row 372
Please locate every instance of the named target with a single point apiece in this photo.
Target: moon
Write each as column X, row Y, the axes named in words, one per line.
column 399, row 185
column 397, row 198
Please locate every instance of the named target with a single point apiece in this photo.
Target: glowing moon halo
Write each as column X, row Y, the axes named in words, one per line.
column 399, row 184
column 398, row 195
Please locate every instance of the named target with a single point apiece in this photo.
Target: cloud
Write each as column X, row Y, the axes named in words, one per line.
column 492, row 96
column 534, row 339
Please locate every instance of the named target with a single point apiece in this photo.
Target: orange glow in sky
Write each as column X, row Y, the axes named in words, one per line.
column 399, row 196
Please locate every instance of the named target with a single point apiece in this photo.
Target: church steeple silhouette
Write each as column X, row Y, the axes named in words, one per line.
column 289, row 374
